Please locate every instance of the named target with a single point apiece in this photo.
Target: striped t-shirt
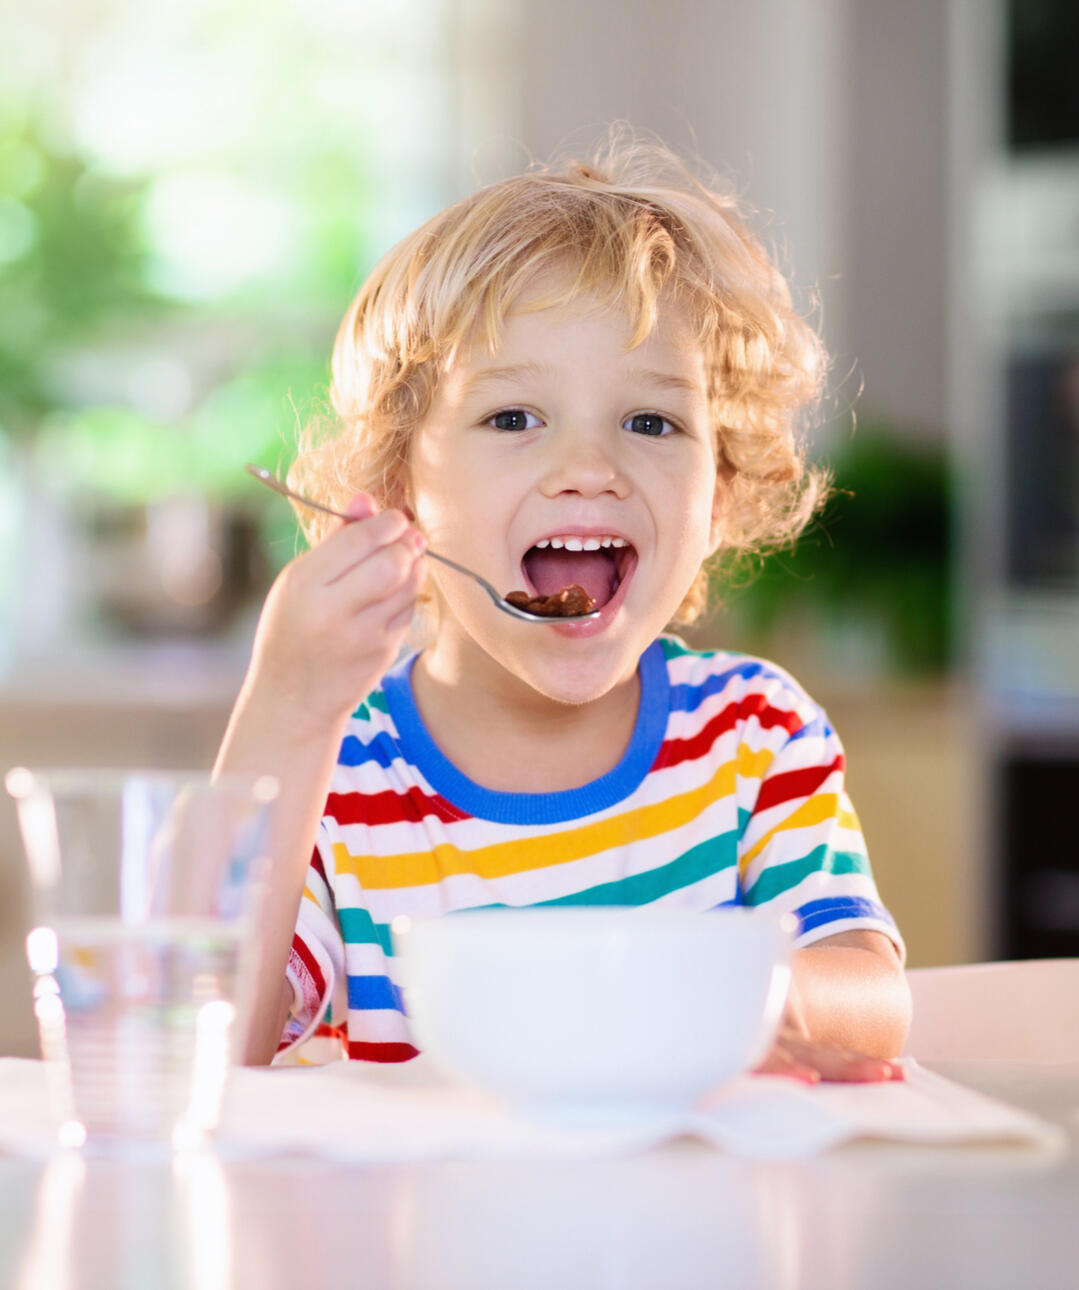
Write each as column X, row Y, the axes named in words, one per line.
column 731, row 791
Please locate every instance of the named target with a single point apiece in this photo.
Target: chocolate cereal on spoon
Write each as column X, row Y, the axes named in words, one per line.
column 573, row 574
column 570, row 602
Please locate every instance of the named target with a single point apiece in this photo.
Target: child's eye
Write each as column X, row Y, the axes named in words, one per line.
column 650, row 423
column 514, row 419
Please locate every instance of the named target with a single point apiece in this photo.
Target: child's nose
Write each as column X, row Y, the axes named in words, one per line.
column 584, row 464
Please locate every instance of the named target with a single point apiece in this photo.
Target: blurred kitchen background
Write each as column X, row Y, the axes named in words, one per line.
column 190, row 193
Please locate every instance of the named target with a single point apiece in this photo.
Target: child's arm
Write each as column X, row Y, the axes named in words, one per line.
column 332, row 625
column 847, row 1013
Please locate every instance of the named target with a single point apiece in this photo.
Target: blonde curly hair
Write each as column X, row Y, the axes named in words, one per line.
column 632, row 226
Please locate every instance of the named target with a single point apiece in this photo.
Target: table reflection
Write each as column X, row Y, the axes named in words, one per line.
column 644, row 1221
column 674, row 1220
column 679, row 1218
column 47, row 1262
column 124, row 1224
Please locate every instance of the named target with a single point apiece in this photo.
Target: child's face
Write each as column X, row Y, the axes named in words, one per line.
column 564, row 433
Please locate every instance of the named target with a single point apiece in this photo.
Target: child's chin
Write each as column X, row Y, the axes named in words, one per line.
column 578, row 681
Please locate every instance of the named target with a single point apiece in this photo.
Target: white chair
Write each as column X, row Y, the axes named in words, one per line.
column 1011, row 1011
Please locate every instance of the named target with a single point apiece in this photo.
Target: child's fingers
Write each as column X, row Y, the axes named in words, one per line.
column 851, row 1068
column 402, row 617
column 361, row 507
column 381, row 626
column 370, row 581
column 400, row 607
column 780, row 1062
column 841, row 1065
column 800, row 1057
column 356, row 543
column 398, row 569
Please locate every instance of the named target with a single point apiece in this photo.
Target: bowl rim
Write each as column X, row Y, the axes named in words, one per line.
column 595, row 919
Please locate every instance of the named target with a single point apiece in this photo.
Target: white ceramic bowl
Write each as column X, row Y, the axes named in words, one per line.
column 595, row 1009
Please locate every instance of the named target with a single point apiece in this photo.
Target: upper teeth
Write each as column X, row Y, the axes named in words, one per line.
column 572, row 543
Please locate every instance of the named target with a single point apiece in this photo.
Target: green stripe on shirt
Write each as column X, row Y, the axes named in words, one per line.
column 781, row 877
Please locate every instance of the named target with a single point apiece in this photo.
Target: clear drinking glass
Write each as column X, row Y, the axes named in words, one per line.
column 146, row 889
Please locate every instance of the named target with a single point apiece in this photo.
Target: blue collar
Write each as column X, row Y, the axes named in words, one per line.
column 534, row 808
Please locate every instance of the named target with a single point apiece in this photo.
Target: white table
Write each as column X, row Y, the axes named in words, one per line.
column 879, row 1216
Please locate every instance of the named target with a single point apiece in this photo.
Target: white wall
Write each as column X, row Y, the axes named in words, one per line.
column 897, row 256
column 830, row 113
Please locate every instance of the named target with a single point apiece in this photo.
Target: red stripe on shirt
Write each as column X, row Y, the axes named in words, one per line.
column 795, row 783
column 310, row 963
column 323, row 1031
column 674, row 751
column 381, row 1052
column 390, row 807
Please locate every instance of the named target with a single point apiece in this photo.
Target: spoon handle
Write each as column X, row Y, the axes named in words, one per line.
column 445, row 559
column 268, row 478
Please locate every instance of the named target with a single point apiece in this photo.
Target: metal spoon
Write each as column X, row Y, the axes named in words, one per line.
column 268, row 478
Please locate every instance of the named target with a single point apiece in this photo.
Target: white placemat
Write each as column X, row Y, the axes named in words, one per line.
column 361, row 1112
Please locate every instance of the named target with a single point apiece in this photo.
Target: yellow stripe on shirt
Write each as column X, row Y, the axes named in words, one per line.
column 825, row 806
column 421, row 868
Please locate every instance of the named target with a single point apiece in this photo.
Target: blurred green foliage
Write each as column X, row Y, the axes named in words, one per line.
column 74, row 262
column 119, row 455
column 189, row 196
column 879, row 552
column 76, row 272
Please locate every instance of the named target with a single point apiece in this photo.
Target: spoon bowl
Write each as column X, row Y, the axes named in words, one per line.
column 499, row 601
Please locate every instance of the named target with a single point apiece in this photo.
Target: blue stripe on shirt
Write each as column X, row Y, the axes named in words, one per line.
column 381, row 749
column 816, row 913
column 819, row 726
column 688, row 698
column 374, row 992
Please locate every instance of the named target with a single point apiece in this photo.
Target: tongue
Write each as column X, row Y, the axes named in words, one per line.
column 551, row 570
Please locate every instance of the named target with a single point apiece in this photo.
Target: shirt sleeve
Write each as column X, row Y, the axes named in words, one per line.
column 802, row 851
column 315, row 971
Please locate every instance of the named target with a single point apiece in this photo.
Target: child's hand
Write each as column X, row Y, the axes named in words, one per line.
column 795, row 1054
column 336, row 616
column 843, row 978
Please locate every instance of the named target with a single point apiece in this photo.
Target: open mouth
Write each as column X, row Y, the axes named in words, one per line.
column 559, row 562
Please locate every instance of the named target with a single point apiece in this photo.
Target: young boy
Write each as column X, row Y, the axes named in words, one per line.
column 584, row 376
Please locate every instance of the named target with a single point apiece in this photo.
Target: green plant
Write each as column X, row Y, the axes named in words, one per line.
column 72, row 263
column 75, row 268
column 879, row 552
